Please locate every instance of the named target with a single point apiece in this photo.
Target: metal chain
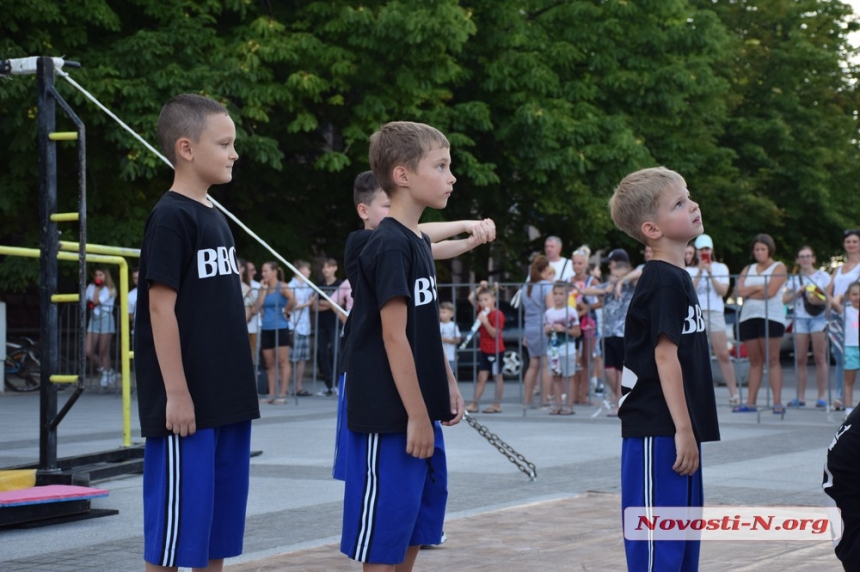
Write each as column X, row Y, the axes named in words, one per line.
column 517, row 459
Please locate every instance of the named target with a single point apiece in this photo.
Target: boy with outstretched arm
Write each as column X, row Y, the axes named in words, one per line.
column 400, row 384
column 667, row 408
column 372, row 205
column 196, row 388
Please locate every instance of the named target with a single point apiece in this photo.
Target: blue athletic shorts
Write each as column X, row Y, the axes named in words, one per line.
column 340, row 437
column 195, row 491
column 647, row 480
column 391, row 500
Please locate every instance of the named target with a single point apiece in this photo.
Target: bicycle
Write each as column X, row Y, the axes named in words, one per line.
column 22, row 366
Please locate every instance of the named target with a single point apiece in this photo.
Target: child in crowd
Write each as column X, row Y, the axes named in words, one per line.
column 196, row 389
column 668, row 407
column 562, row 327
column 300, row 318
column 492, row 347
column 852, row 345
column 617, row 294
column 399, row 387
column 450, row 333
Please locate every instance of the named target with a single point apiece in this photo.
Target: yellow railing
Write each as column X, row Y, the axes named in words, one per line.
column 106, row 255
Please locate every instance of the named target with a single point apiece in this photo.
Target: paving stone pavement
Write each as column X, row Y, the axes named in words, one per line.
column 568, row 519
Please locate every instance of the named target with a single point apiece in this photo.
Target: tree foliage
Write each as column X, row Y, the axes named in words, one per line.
column 547, row 104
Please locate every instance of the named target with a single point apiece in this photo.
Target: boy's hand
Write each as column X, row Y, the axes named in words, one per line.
column 458, row 406
column 481, row 232
column 180, row 415
column 687, row 459
column 420, row 439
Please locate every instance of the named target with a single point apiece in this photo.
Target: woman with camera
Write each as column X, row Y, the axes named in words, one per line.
column 711, row 280
column 101, row 294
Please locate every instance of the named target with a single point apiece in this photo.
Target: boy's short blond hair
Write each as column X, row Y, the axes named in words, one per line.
column 636, row 198
column 401, row 143
column 446, row 306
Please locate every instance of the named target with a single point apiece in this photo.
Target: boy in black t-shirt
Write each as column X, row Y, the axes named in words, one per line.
column 196, row 388
column 399, row 382
column 372, row 205
column 667, row 408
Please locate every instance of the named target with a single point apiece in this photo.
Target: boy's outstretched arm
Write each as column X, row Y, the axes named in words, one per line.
column 672, row 382
column 458, row 406
column 419, row 430
column 165, row 334
column 482, row 230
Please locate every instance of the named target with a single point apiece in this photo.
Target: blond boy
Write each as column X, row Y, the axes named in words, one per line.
column 667, row 408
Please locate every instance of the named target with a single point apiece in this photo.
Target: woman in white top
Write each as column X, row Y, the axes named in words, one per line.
column 762, row 320
column 806, row 291
column 711, row 280
column 101, row 294
column 842, row 277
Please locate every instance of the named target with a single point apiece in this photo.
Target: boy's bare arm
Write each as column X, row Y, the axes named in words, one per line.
column 672, row 382
column 458, row 406
column 419, row 429
column 481, row 231
column 165, row 333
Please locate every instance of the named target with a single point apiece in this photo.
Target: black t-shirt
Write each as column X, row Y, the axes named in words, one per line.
column 354, row 245
column 188, row 247
column 394, row 263
column 328, row 317
column 665, row 302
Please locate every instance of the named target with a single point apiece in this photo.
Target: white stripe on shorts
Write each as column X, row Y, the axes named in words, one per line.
column 371, row 491
column 172, row 512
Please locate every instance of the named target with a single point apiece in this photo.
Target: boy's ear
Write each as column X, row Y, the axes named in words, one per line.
column 362, row 211
column 650, row 230
column 400, row 176
column 183, row 148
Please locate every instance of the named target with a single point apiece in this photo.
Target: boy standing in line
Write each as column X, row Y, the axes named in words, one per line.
column 667, row 408
column 372, row 205
column 196, row 389
column 400, row 385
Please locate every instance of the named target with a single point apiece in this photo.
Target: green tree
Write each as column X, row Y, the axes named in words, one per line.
column 792, row 126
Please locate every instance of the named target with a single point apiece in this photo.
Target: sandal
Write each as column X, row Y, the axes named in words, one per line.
column 303, row 393
column 492, row 409
column 744, row 409
column 778, row 409
column 556, row 411
column 836, row 405
column 267, row 399
column 566, row 411
column 796, row 403
column 821, row 404
column 734, row 400
column 472, row 408
column 279, row 401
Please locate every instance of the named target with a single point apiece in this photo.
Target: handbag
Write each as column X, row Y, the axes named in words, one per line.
column 811, row 309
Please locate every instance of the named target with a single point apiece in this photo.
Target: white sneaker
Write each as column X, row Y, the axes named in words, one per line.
column 326, row 393
column 103, row 379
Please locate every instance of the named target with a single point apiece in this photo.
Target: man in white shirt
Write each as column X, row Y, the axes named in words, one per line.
column 563, row 266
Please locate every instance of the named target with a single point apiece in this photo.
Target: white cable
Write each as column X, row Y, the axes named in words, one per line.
column 218, row 205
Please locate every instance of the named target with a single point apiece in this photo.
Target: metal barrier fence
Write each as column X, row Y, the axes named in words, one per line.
column 513, row 361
